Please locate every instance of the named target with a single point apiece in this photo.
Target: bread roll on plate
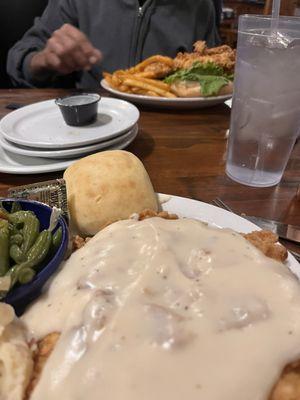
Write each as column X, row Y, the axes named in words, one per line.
column 106, row 187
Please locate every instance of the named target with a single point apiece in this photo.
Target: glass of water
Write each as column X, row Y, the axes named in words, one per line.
column 265, row 117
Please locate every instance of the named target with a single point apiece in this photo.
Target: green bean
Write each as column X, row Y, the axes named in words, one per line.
column 22, row 243
column 16, row 206
column 14, row 229
column 26, row 275
column 35, row 256
column 16, row 238
column 39, row 250
column 19, row 217
column 3, row 210
column 13, row 273
column 31, row 227
column 4, row 247
column 30, row 233
column 16, row 254
column 56, row 239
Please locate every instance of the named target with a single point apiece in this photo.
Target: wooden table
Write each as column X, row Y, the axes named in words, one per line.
column 184, row 153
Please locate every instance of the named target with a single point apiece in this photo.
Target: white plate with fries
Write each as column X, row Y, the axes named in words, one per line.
column 167, row 102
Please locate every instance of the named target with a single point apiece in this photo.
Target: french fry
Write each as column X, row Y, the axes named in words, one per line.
column 156, row 83
column 146, row 86
column 115, row 80
column 123, row 88
column 152, row 94
column 145, row 74
column 141, row 66
column 138, row 81
column 137, row 90
column 107, row 75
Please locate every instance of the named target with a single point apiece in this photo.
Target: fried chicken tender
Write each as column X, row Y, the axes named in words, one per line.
column 218, row 50
column 200, row 47
column 155, row 67
column 158, row 70
column 288, row 386
column 78, row 242
column 42, row 353
column 267, row 242
column 161, row 214
column 224, row 56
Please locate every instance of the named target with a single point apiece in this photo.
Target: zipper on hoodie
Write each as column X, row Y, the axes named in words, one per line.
column 140, row 16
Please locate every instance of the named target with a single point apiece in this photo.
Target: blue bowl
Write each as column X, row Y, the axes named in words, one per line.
column 20, row 296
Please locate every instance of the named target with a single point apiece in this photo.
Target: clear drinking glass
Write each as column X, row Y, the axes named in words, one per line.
column 265, row 116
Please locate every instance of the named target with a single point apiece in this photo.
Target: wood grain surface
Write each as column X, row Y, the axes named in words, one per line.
column 184, row 153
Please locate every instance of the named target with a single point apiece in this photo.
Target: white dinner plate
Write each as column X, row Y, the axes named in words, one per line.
column 15, row 164
column 165, row 102
column 189, row 208
column 229, row 103
column 42, row 125
column 67, row 153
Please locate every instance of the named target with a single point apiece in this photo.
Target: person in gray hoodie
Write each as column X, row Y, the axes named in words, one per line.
column 74, row 41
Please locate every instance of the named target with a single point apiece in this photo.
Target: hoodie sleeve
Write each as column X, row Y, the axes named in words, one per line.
column 57, row 13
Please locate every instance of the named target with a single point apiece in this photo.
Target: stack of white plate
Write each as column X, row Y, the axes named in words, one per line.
column 35, row 138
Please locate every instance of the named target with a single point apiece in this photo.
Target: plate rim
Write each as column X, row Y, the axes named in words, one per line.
column 58, row 165
column 246, row 226
column 51, row 102
column 61, row 153
column 163, row 100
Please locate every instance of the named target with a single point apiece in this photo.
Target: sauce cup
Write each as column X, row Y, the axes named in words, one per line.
column 79, row 109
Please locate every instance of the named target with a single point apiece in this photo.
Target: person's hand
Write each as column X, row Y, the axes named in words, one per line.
column 67, row 50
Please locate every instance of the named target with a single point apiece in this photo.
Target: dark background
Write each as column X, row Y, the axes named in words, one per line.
column 16, row 16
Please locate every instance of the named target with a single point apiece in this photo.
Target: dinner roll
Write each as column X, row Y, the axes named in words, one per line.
column 106, row 187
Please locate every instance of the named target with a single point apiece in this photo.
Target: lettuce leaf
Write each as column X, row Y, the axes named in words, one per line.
column 210, row 76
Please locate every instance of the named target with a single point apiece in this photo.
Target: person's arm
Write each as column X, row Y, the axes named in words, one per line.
column 52, row 48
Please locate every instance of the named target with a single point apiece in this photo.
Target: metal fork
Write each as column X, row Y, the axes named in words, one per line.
column 219, row 203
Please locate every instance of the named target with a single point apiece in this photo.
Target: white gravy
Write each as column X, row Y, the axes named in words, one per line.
column 167, row 310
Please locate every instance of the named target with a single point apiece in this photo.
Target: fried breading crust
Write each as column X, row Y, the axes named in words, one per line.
column 162, row 214
column 158, row 70
column 78, row 242
column 41, row 354
column 287, row 387
column 223, row 56
column 267, row 242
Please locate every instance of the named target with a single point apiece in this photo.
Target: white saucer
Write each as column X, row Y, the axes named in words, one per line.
column 42, row 125
column 66, row 153
column 15, row 164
